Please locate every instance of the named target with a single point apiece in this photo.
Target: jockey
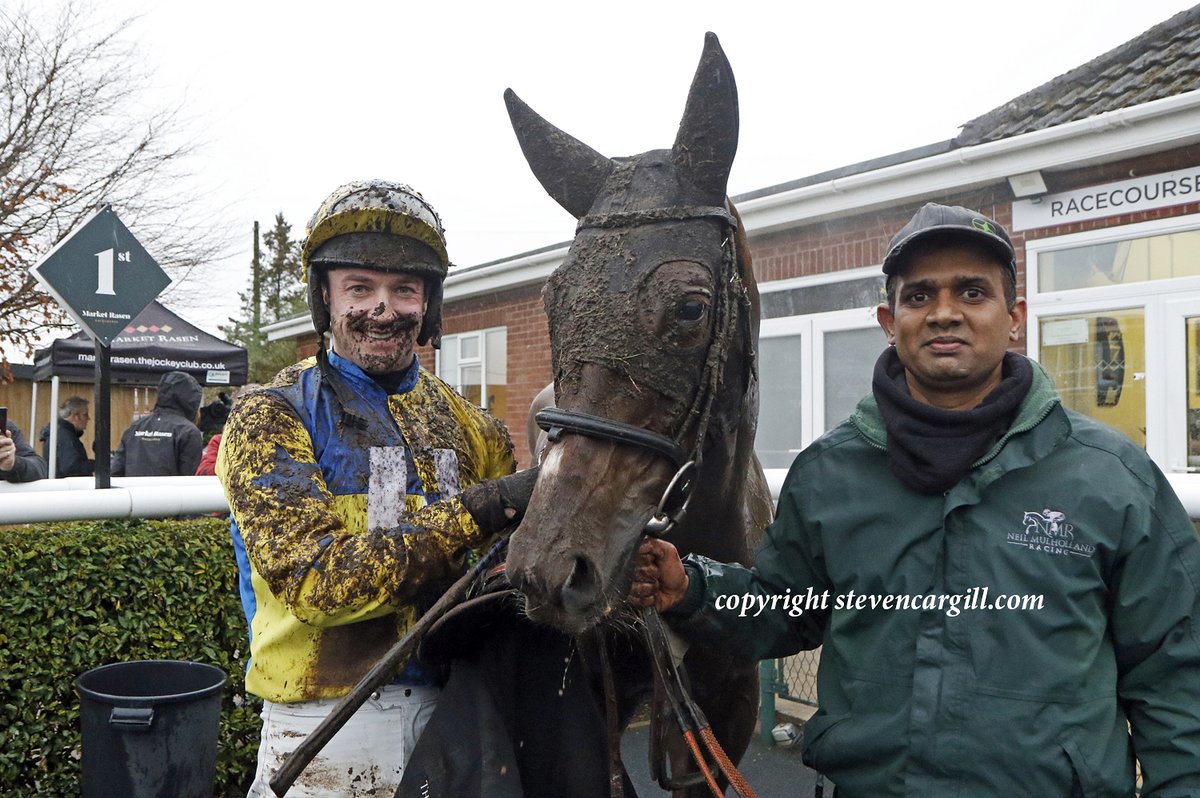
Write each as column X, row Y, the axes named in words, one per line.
column 358, row 485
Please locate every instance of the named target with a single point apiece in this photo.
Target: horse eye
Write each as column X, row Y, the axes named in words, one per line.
column 691, row 310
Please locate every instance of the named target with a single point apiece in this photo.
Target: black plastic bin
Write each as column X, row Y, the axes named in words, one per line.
column 150, row 729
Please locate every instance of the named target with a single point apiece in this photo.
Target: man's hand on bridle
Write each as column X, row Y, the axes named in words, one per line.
column 659, row 580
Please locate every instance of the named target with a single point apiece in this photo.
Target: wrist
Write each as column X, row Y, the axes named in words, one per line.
column 693, row 593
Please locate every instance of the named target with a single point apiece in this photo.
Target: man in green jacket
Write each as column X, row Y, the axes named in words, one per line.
column 1007, row 592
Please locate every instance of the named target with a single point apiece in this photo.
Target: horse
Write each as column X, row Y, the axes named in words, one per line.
column 653, row 320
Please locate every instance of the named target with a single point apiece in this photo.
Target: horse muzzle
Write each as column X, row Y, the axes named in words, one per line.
column 572, row 556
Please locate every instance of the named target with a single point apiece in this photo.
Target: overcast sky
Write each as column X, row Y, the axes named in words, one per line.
column 291, row 99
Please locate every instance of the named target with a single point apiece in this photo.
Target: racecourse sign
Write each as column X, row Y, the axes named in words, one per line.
column 102, row 275
column 1095, row 202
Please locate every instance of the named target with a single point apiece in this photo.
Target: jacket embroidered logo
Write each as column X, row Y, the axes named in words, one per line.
column 1049, row 532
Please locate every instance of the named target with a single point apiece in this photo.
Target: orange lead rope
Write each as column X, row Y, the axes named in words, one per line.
column 688, row 715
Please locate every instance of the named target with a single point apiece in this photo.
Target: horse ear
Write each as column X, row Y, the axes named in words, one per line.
column 570, row 171
column 707, row 138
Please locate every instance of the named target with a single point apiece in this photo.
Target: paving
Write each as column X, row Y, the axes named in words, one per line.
column 772, row 772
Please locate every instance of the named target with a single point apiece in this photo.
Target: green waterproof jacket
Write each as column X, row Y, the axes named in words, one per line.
column 1027, row 633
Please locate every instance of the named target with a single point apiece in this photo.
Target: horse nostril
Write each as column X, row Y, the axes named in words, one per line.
column 582, row 586
column 516, row 578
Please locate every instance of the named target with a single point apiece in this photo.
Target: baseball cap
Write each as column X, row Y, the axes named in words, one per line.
column 950, row 221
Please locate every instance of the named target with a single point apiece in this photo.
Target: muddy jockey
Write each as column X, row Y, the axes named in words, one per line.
column 359, row 487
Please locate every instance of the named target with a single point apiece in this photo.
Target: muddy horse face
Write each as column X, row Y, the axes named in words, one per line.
column 643, row 314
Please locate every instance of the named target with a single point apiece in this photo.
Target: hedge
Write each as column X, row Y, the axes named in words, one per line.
column 80, row 595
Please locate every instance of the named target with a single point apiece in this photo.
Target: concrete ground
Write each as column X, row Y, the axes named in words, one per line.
column 772, row 772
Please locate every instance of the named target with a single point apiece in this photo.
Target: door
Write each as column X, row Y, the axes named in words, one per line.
column 1181, row 350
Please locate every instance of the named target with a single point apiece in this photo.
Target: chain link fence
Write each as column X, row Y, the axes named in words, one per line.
column 792, row 678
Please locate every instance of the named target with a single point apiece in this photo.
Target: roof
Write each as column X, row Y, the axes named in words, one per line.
column 1162, row 62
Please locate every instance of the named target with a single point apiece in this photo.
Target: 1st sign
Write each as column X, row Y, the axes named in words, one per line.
column 102, row 275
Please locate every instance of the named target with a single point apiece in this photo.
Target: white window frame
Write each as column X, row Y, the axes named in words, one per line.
column 812, row 328
column 456, row 340
column 1164, row 304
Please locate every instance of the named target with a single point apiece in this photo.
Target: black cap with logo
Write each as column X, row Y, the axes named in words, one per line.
column 950, row 221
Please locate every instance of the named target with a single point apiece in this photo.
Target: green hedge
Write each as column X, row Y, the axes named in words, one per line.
column 80, row 595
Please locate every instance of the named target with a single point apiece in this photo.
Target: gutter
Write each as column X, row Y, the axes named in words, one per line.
column 289, row 328
column 519, row 270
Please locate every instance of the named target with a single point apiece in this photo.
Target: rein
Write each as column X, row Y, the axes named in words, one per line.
column 556, row 421
column 696, row 730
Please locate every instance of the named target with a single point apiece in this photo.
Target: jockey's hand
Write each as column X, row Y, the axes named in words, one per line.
column 500, row 503
column 659, row 580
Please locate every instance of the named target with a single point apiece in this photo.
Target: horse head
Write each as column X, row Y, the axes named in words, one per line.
column 652, row 319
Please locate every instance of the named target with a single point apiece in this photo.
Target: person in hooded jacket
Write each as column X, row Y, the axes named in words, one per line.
column 212, row 422
column 1007, row 592
column 167, row 442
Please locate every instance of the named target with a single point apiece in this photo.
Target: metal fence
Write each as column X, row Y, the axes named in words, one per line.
column 792, row 678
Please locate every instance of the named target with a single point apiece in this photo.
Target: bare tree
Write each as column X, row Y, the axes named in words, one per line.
column 76, row 133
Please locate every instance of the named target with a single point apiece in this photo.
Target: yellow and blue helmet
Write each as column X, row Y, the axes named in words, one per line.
column 381, row 225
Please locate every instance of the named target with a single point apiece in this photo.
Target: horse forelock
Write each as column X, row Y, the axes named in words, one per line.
column 648, row 181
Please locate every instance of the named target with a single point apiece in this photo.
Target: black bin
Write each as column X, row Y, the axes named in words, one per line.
column 150, row 729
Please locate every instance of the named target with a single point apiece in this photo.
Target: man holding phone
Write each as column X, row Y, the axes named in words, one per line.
column 18, row 461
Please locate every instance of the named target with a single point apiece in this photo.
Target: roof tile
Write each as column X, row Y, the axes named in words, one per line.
column 1162, row 62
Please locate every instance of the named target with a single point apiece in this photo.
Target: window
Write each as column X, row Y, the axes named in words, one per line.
column 1097, row 361
column 1114, row 318
column 476, row 365
column 817, row 347
column 1135, row 260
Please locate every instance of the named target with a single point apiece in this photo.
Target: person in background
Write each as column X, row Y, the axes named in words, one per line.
column 18, row 461
column 72, row 459
column 167, row 442
column 212, row 423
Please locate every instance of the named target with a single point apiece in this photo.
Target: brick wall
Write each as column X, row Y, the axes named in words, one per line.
column 520, row 312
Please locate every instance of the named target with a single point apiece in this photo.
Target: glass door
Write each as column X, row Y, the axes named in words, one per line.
column 847, row 345
column 1182, row 354
column 783, row 425
column 1098, row 361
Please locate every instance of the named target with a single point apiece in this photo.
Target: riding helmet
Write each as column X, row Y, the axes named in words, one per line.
column 381, row 225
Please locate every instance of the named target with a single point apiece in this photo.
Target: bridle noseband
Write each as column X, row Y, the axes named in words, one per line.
column 673, row 503
column 556, row 421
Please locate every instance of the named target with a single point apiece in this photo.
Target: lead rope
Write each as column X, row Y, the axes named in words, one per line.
column 688, row 715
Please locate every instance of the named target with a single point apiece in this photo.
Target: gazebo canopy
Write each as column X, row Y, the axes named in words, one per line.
column 155, row 342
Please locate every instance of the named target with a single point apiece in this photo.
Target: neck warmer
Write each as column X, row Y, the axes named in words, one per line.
column 930, row 449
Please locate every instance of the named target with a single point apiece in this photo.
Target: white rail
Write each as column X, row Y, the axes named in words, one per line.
column 76, row 499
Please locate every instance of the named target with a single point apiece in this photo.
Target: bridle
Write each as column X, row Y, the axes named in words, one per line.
column 686, row 460
column 674, row 501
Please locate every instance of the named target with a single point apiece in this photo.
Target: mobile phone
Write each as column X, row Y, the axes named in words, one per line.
column 3, row 418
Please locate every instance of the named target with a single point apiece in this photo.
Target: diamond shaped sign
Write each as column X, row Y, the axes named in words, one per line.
column 101, row 275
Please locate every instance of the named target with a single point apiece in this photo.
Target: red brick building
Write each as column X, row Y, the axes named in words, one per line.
column 1095, row 173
